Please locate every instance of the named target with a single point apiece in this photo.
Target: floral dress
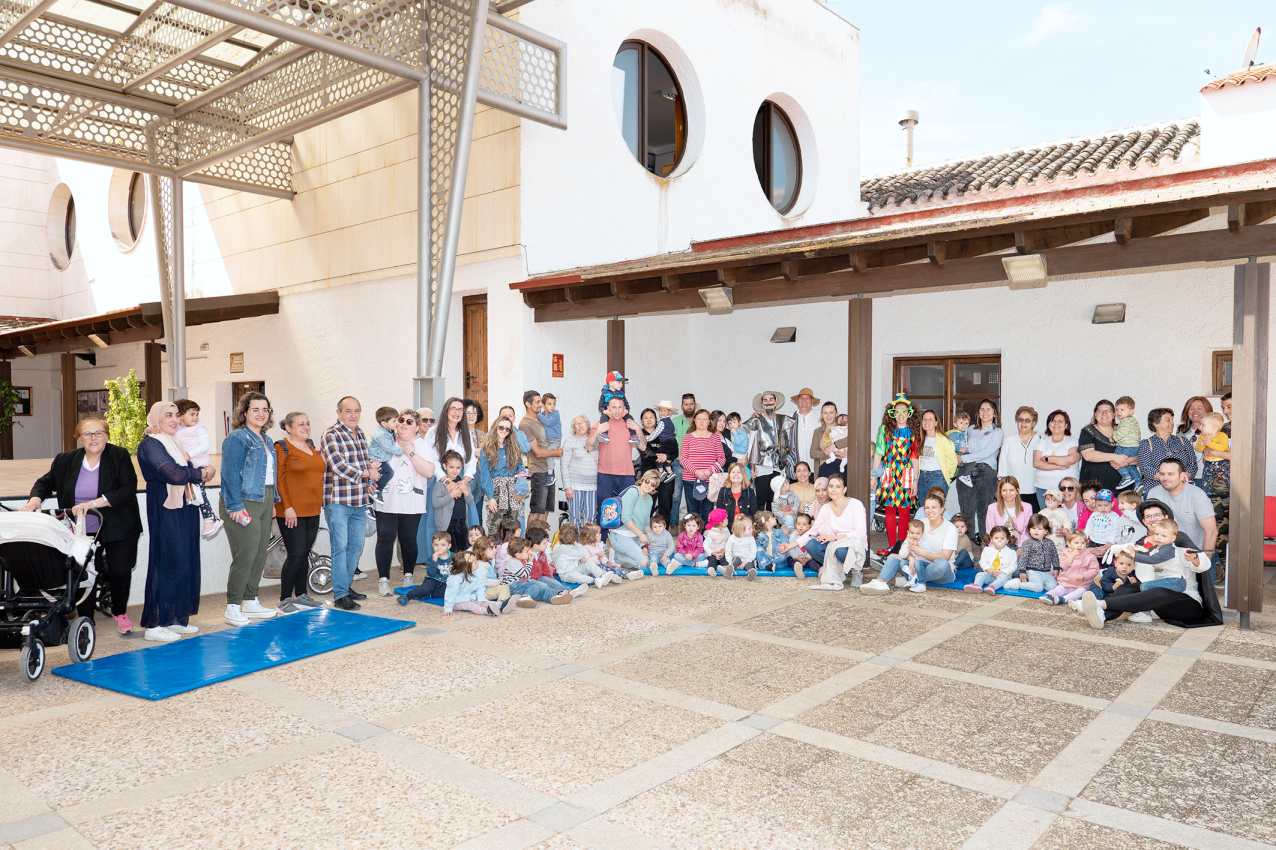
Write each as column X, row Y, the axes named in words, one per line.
column 895, row 487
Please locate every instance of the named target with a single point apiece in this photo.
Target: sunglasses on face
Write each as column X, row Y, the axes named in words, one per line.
column 503, row 429
column 1068, row 489
column 1023, row 420
column 427, row 419
column 406, row 420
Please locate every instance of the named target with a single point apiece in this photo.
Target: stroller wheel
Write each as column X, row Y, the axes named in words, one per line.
column 319, row 580
column 33, row 659
column 81, row 640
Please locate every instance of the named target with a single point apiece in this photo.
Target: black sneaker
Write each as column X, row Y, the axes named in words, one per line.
column 354, row 594
column 345, row 603
column 505, row 603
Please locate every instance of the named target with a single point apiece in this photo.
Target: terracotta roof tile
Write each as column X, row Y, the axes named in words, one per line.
column 1023, row 168
column 1254, row 74
column 14, row 323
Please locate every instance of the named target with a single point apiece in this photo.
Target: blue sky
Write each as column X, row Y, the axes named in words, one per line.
column 992, row 75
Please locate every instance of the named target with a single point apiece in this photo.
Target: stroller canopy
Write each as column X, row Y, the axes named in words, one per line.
column 45, row 530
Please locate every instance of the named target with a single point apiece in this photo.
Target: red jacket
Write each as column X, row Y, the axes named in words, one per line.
column 542, row 568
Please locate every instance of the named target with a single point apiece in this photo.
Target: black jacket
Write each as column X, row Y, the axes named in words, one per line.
column 117, row 481
column 748, row 503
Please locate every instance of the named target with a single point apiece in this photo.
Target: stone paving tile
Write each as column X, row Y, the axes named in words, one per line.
column 566, row 632
column 863, row 628
column 705, row 599
column 735, row 671
column 1066, row 620
column 1227, row 692
column 766, row 795
column 1252, row 644
column 936, row 601
column 136, row 742
column 1004, row 734
column 1205, row 779
column 558, row 842
column 1074, row 834
column 373, row 679
column 342, row 798
column 569, row 734
column 1053, row 662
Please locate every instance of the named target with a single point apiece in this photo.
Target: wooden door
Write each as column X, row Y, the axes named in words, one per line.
column 474, row 331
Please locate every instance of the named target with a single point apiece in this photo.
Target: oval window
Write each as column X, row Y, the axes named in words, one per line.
column 126, row 207
column 650, row 107
column 60, row 227
column 777, row 157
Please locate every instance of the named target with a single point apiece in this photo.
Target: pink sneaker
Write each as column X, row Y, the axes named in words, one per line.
column 123, row 623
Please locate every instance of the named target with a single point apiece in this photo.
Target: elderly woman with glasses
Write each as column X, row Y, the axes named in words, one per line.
column 403, row 501
column 1018, row 451
column 99, row 475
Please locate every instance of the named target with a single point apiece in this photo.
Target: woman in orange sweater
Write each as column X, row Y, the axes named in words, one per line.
column 297, row 512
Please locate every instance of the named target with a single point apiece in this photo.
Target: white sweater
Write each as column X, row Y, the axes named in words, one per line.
column 580, row 466
column 744, row 548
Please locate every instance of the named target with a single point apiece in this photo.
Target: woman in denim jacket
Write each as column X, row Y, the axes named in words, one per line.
column 500, row 469
column 248, row 501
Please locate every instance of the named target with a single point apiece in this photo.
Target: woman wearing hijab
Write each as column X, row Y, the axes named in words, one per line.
column 172, row 516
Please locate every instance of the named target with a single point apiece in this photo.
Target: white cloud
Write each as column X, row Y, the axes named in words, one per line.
column 1053, row 19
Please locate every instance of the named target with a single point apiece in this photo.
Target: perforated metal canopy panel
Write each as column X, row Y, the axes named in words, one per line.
column 213, row 90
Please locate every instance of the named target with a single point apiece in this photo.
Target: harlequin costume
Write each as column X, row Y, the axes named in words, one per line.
column 898, row 448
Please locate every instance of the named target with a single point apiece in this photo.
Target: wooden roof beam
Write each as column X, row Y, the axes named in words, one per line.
column 1246, row 215
column 1035, row 241
column 964, row 249
column 1126, row 228
column 936, row 252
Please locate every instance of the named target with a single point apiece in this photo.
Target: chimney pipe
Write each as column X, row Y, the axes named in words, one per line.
column 908, row 122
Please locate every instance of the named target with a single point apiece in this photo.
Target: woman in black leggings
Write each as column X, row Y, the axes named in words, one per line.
column 297, row 512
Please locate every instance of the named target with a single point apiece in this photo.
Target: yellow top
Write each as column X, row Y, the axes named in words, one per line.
column 1216, row 444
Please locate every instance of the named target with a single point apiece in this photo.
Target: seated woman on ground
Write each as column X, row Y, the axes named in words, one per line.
column 934, row 553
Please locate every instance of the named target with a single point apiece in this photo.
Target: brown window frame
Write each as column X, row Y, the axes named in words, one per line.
column 772, row 110
column 1217, row 361
column 950, row 363
column 644, row 51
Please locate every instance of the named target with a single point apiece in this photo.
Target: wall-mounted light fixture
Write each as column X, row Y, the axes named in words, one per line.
column 784, row 335
column 1108, row 314
column 1025, row 271
column 26, row 352
column 717, row 300
column 98, row 341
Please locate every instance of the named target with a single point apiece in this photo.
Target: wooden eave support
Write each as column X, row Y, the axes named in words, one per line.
column 1246, row 215
column 1126, row 228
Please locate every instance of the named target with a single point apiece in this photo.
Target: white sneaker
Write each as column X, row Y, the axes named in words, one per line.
column 408, row 581
column 829, row 587
column 918, row 587
column 634, row 575
column 253, row 610
column 211, row 528
column 614, row 578
column 1141, row 617
column 183, row 630
column 900, row 581
column 579, row 591
column 1075, row 605
column 234, row 616
column 1090, row 608
column 876, row 587
column 161, row 635
column 383, row 586
column 711, row 571
column 601, row 581
column 1013, row 584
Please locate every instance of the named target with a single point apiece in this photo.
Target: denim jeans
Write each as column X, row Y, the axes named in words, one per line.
column 766, row 562
column 345, row 534
column 938, row 570
column 1176, row 584
column 929, row 478
column 699, row 507
column 676, row 511
column 963, row 561
column 995, row 580
column 1129, row 474
column 538, row 589
column 978, row 495
column 681, row 560
column 1039, row 581
column 627, row 551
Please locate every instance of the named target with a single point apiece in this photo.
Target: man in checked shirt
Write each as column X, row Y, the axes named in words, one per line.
column 349, row 479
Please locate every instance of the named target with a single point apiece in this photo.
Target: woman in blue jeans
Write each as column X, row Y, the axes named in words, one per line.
column 938, row 462
column 934, row 553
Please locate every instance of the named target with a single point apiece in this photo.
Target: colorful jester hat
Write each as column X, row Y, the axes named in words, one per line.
column 879, row 446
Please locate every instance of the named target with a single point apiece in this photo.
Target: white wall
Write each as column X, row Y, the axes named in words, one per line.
column 31, row 284
column 586, row 200
column 1238, row 123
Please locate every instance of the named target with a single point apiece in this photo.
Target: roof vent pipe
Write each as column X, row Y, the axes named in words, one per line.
column 908, row 122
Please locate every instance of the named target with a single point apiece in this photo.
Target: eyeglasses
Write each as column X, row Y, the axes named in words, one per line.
column 407, row 420
column 427, row 419
column 265, row 410
column 1024, row 419
column 1068, row 489
column 502, row 429
column 92, row 435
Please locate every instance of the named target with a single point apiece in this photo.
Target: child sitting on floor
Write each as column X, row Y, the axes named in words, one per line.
column 1077, row 569
column 996, row 563
column 964, row 557
column 484, row 551
column 571, row 563
column 467, row 588
column 742, row 550
column 596, row 551
column 715, row 541
column 516, row 571
column 543, row 569
column 437, row 569
column 770, row 538
column 689, row 548
column 1038, row 559
column 1117, row 578
column 474, row 533
column 798, row 556
column 660, row 545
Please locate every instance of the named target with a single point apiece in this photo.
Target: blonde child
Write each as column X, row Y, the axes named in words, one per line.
column 1077, row 569
column 194, row 439
column 1216, row 449
column 484, row 549
column 715, row 542
column 996, row 563
column 1162, row 565
column 467, row 588
column 1060, row 522
column 1127, row 437
column 908, row 549
column 1038, row 559
column 770, row 538
column 689, row 548
column 571, row 563
column 596, row 551
column 660, row 545
column 742, row 550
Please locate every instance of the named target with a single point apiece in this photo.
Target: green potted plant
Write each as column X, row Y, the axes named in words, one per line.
column 125, row 411
column 8, row 410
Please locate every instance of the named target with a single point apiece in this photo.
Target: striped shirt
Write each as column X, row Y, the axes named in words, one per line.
column 699, row 453
column 346, row 452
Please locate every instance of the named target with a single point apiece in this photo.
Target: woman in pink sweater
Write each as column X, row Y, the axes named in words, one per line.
column 838, row 540
column 1077, row 569
column 1009, row 510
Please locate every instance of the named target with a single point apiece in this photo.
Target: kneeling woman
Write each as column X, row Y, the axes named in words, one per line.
column 838, row 540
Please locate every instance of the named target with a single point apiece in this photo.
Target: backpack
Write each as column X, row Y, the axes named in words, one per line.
column 609, row 510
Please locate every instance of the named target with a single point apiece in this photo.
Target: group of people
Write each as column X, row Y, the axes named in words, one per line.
column 689, row 487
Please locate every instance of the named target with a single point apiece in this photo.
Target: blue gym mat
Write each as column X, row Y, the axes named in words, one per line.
column 966, row 576
column 174, row 668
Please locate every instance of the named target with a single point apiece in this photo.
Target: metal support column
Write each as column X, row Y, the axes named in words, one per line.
column 1251, row 306
column 423, row 384
column 170, row 238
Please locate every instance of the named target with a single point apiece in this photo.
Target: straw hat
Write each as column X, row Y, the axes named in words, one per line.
column 805, row 391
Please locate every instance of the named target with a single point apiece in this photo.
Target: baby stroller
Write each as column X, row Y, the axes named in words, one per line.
column 46, row 572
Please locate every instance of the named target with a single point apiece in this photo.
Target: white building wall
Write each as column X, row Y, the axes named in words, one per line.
column 586, row 200
column 1238, row 123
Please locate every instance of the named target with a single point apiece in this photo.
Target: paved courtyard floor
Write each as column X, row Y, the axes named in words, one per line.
column 676, row 713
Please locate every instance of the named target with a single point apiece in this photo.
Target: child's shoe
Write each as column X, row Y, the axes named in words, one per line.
column 902, row 580
column 408, row 581
column 123, row 623
column 494, row 609
column 971, row 588
column 403, row 599
column 578, row 591
column 990, row 590
column 1047, row 599
column 601, row 581
column 212, row 526
column 1137, row 617
column 751, row 573
column 634, row 575
column 1013, row 584
column 1075, row 605
column 564, row 598
column 526, row 602
column 711, row 571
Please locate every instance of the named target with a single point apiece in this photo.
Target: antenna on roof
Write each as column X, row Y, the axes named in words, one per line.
column 1252, row 50
column 908, row 122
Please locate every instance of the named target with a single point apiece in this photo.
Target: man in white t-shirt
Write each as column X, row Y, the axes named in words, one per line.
column 808, row 419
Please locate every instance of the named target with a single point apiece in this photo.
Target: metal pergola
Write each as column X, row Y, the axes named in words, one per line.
column 213, row 91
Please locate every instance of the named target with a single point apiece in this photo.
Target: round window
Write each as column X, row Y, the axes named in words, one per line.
column 60, row 226
column 650, row 106
column 777, row 157
column 126, row 207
